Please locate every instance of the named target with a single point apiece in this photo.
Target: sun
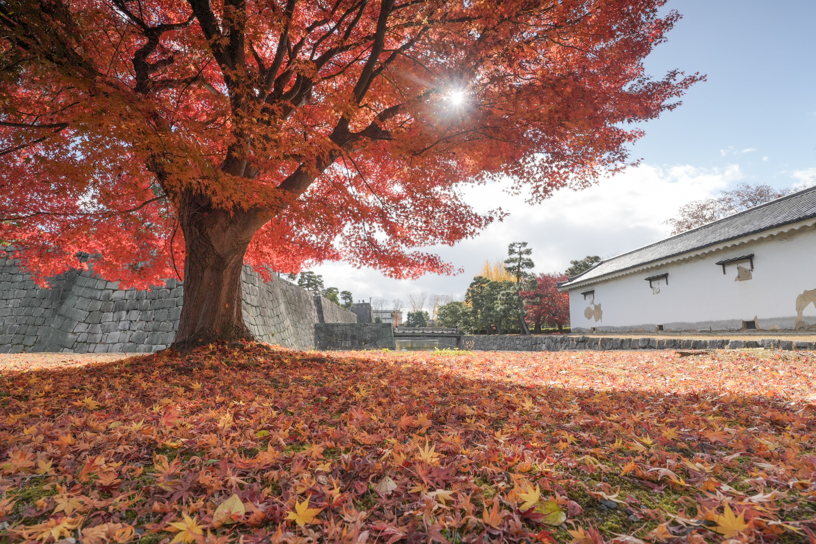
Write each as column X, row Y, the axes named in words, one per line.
column 457, row 97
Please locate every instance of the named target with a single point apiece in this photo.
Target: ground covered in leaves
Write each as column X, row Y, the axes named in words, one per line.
column 267, row 445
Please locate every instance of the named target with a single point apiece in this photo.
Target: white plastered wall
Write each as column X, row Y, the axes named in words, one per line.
column 699, row 296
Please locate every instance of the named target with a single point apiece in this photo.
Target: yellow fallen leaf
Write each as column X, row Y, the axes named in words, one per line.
column 187, row 530
column 553, row 515
column 108, row 532
column 68, row 504
column 303, row 515
column 229, row 511
column 56, row 529
column 443, row 495
column 728, row 524
column 530, row 497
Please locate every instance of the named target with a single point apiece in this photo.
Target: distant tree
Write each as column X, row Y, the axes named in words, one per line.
column 396, row 314
column 495, row 271
column 347, row 299
column 743, row 197
column 545, row 304
column 577, row 267
column 435, row 301
column 454, row 314
column 509, row 308
column 396, row 303
column 493, row 304
column 331, row 293
column 477, row 299
column 417, row 319
column 417, row 301
column 310, row 281
column 518, row 264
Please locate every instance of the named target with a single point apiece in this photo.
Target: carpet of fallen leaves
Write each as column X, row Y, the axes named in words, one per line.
column 259, row 444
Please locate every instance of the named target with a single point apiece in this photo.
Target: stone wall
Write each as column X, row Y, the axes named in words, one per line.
column 329, row 312
column 344, row 336
column 81, row 313
column 497, row 342
column 363, row 311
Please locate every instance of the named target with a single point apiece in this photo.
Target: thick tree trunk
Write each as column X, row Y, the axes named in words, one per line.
column 538, row 327
column 216, row 242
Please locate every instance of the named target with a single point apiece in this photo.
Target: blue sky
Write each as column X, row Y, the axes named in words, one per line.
column 760, row 59
column 753, row 120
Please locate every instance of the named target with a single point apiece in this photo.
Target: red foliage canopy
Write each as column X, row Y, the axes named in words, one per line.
column 545, row 304
column 331, row 121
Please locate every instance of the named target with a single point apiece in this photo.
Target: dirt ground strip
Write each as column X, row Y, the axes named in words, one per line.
column 20, row 360
column 761, row 335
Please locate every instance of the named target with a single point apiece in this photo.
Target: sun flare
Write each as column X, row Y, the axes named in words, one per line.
column 457, row 98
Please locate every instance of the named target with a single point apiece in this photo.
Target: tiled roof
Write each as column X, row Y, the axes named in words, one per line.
column 782, row 211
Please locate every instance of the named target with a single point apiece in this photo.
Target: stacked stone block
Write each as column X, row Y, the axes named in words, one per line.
column 346, row 336
column 363, row 311
column 571, row 343
column 81, row 313
column 329, row 312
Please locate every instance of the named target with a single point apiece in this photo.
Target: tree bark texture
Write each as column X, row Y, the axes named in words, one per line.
column 216, row 242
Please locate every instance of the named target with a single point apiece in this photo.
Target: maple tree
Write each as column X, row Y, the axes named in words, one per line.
column 282, row 133
column 701, row 212
column 259, row 444
column 545, row 304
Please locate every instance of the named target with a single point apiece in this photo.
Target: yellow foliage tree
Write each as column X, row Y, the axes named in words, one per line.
column 495, row 271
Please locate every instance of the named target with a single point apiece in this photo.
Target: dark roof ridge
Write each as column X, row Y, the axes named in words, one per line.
column 692, row 232
column 695, row 229
column 789, row 195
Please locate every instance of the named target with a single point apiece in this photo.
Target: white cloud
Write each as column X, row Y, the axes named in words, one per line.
column 620, row 214
column 731, row 151
column 765, row 158
column 806, row 178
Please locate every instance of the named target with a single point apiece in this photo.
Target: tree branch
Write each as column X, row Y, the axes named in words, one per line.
column 84, row 214
column 59, row 127
column 212, row 31
column 366, row 76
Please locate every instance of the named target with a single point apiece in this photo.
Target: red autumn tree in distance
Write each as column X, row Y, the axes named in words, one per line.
column 152, row 133
column 545, row 304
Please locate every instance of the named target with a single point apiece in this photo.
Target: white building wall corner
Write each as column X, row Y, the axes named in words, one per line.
column 779, row 293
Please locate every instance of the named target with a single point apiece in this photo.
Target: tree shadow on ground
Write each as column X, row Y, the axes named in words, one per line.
column 412, row 447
